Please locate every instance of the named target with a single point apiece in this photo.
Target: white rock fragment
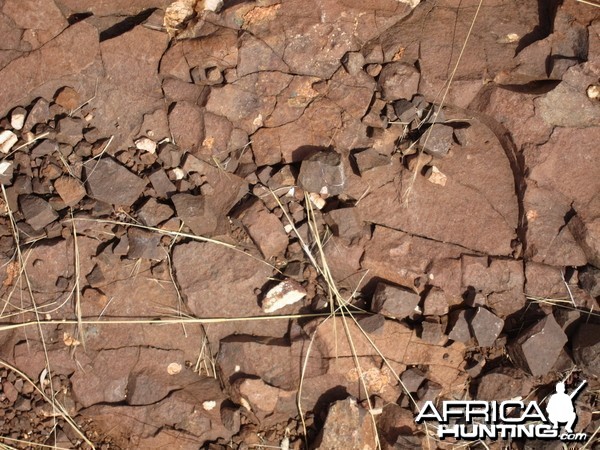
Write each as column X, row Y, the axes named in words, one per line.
column 213, row 5
column 209, row 405
column 412, row 3
column 17, row 118
column 288, row 228
column 437, row 177
column 146, row 144
column 7, row 140
column 317, row 200
column 177, row 173
column 6, row 168
column 174, row 368
column 285, row 293
column 178, row 14
column 593, row 91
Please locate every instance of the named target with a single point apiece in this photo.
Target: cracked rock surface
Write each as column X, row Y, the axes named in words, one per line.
column 165, row 165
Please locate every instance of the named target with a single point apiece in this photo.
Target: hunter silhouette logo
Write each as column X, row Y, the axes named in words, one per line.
column 560, row 407
column 510, row 419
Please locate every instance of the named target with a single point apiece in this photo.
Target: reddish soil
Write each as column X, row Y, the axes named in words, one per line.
column 292, row 223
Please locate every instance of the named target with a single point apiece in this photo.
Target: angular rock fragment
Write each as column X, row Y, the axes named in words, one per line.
column 435, row 303
column 369, row 159
column 285, row 293
column 412, row 379
column 37, row 211
column 145, row 244
column 7, row 140
column 460, row 328
column 70, row 189
column 194, row 213
column 70, row 130
column 323, row 173
column 586, row 348
column 39, row 113
column 486, row 327
column 270, row 404
column 44, row 148
column 537, row 348
column 110, row 182
column 394, row 301
column 437, row 140
column 372, row 324
column 433, row 332
column 154, row 213
column 161, row 183
column 6, row 172
column 347, row 426
column 265, row 229
column 398, row 80
column 346, row 223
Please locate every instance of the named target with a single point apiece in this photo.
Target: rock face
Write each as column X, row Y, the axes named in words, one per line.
column 479, row 171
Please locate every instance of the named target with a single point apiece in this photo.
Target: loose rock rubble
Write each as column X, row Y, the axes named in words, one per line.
column 300, row 236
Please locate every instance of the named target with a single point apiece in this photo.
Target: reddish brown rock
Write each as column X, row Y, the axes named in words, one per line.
column 249, row 100
column 154, row 213
column 537, row 348
column 265, row 229
column 42, row 20
column 38, row 212
column 70, row 189
column 145, row 244
column 504, row 383
column 490, row 36
column 270, row 404
column 393, row 301
column 296, row 140
column 435, row 303
column 57, row 59
column 275, row 362
column 217, row 50
column 323, row 173
column 187, row 125
column 397, row 343
column 256, row 55
column 586, row 348
column 131, row 83
column 402, row 258
column 110, row 182
column 353, row 93
column 347, row 426
column 486, row 327
column 479, row 192
column 398, row 80
column 231, row 286
column 181, row 414
column 68, row 98
column 559, row 170
column 549, row 241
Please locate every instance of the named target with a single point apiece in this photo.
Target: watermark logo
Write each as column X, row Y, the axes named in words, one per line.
column 511, row 419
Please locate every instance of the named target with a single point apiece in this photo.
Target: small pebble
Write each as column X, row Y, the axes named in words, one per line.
column 146, row 144
column 285, row 293
column 17, row 118
column 7, row 140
